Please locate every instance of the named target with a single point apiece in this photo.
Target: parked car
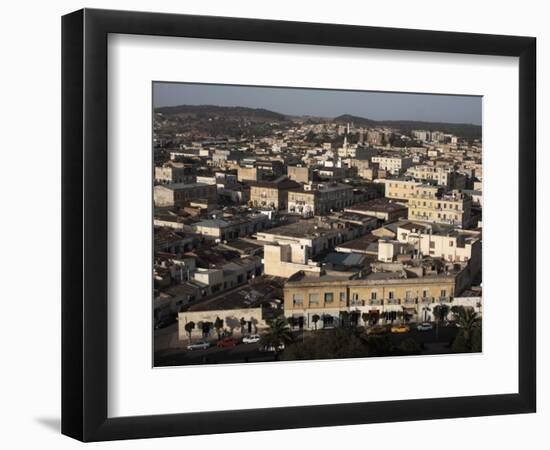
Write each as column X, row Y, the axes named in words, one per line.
column 202, row 345
column 400, row 329
column 251, row 339
column 271, row 348
column 377, row 329
column 424, row 326
column 227, row 343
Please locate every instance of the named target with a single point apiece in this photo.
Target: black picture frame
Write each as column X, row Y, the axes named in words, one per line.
column 84, row 224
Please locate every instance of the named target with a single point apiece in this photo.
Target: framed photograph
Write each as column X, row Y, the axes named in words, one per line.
column 273, row 225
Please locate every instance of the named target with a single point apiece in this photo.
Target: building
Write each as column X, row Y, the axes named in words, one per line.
column 319, row 199
column 272, row 194
column 328, row 295
column 442, row 175
column 300, row 174
column 381, row 208
column 169, row 195
column 393, row 164
column 243, row 311
column 450, row 245
column 173, row 172
column 431, row 204
column 400, row 189
column 228, row 229
column 290, row 248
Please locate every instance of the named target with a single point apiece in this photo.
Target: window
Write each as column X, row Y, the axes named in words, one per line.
column 297, row 299
column 342, row 296
column 443, row 293
column 432, row 243
column 313, row 299
column 391, row 295
column 408, row 295
column 373, row 295
column 329, row 297
column 451, row 243
column 425, row 293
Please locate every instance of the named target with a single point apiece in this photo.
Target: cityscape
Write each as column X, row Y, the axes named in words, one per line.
column 307, row 224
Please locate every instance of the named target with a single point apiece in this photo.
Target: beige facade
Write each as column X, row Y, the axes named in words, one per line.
column 254, row 322
column 299, row 174
column 247, row 174
column 320, row 199
column 400, row 189
column 327, row 299
column 429, row 205
column 393, row 164
column 180, row 194
column 173, row 173
column 271, row 194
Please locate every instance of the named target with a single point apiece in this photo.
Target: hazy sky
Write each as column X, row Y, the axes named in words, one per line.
column 327, row 103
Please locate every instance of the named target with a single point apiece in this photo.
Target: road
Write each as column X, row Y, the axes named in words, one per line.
column 169, row 352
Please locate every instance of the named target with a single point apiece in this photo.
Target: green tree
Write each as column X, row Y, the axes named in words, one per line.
column 277, row 334
column 334, row 343
column 218, row 324
column 243, row 323
column 344, row 319
column 365, row 316
column 409, row 347
column 315, row 318
column 468, row 320
column 469, row 337
column 189, row 327
column 378, row 345
column 440, row 313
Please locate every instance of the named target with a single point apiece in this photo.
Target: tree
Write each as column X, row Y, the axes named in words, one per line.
column 365, row 316
column 468, row 320
column 344, row 319
column 469, row 337
column 278, row 334
column 354, row 318
column 409, row 347
column 218, row 324
column 334, row 343
column 189, row 327
column 242, row 323
column 440, row 313
column 315, row 318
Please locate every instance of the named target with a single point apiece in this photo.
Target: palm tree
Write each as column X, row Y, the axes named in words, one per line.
column 243, row 323
column 440, row 312
column 278, row 334
column 189, row 327
column 344, row 319
column 315, row 318
column 468, row 320
column 218, row 324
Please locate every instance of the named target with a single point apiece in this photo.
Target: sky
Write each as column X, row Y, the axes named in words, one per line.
column 326, row 103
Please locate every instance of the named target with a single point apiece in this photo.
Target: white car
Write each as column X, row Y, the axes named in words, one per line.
column 424, row 326
column 251, row 339
column 271, row 348
column 203, row 345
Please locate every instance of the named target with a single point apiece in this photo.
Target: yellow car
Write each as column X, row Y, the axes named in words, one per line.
column 400, row 329
column 377, row 329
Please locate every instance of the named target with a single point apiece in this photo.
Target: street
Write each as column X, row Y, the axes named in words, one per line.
column 171, row 352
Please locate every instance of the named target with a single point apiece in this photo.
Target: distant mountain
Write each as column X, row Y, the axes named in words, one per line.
column 466, row 130
column 260, row 115
column 228, row 112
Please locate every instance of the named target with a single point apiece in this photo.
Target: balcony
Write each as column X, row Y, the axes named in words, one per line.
column 410, row 301
column 393, row 301
column 376, row 302
column 427, row 300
